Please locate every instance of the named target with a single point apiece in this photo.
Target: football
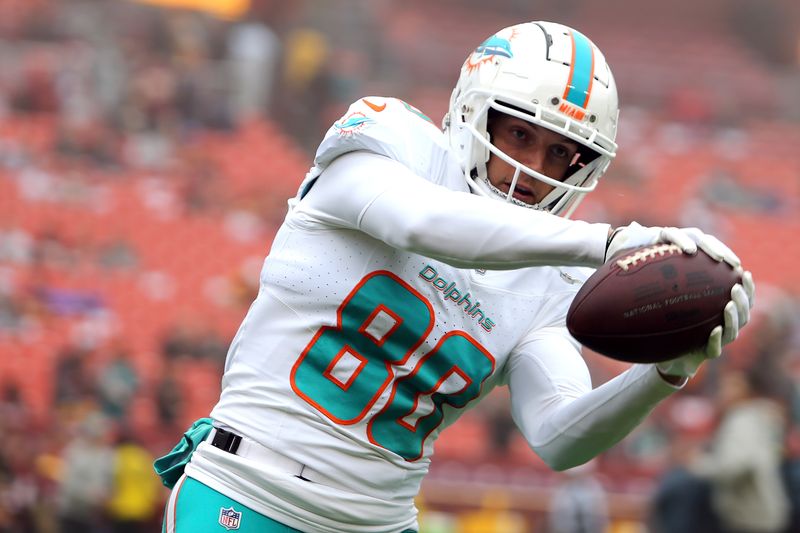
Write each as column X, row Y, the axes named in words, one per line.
column 651, row 304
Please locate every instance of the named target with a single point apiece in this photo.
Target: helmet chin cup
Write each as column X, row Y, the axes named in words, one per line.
column 547, row 74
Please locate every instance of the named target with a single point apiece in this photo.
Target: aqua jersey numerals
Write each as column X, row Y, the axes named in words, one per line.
column 452, row 373
column 346, row 368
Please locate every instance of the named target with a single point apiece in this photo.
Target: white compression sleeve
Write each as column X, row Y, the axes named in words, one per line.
column 388, row 201
column 563, row 419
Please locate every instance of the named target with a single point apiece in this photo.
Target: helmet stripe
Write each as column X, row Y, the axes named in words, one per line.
column 581, row 72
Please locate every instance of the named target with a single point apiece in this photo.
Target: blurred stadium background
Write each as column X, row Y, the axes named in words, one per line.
column 147, row 150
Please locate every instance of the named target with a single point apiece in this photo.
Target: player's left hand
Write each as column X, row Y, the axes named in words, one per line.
column 736, row 316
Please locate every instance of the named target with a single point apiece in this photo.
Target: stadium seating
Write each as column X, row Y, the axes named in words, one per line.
column 125, row 256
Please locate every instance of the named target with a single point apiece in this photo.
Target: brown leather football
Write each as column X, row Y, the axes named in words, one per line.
column 651, row 304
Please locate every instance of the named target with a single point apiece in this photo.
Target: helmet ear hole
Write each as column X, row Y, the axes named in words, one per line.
column 491, row 119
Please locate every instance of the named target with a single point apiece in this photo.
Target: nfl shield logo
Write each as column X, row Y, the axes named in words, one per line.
column 229, row 519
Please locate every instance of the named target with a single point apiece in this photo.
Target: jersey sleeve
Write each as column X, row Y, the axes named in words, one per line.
column 564, row 420
column 388, row 201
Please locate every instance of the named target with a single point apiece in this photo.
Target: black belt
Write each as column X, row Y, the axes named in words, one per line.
column 226, row 441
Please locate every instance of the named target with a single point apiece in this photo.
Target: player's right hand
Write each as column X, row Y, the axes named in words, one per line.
column 688, row 239
column 712, row 246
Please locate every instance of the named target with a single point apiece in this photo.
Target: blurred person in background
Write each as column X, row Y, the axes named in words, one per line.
column 27, row 470
column 117, row 382
column 73, row 387
column 417, row 270
column 307, row 84
column 681, row 502
column 737, row 484
column 579, row 503
column 169, row 399
column 744, row 464
column 20, row 490
column 253, row 53
column 87, row 477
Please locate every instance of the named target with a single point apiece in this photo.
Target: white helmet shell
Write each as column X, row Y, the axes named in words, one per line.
column 550, row 75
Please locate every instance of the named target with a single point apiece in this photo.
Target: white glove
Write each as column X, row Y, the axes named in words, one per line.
column 688, row 239
column 737, row 314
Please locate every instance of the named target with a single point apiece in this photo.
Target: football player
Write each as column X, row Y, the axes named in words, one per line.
column 417, row 269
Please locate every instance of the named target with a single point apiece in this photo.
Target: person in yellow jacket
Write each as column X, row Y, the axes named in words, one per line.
column 135, row 500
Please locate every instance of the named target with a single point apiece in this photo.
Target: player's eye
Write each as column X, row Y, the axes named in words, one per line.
column 561, row 151
column 519, row 134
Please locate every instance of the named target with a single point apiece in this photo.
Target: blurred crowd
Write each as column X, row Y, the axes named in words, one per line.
column 145, row 159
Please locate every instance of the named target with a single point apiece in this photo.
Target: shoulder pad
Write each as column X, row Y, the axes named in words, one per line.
column 385, row 126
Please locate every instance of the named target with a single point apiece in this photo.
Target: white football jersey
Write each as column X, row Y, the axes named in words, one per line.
column 359, row 350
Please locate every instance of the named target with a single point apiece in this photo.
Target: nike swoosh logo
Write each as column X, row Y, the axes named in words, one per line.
column 374, row 107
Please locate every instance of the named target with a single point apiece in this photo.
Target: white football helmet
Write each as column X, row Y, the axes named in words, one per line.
column 552, row 76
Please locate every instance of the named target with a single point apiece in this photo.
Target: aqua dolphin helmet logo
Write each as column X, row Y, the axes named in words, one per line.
column 498, row 45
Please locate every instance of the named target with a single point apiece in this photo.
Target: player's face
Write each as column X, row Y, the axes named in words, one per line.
column 545, row 151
